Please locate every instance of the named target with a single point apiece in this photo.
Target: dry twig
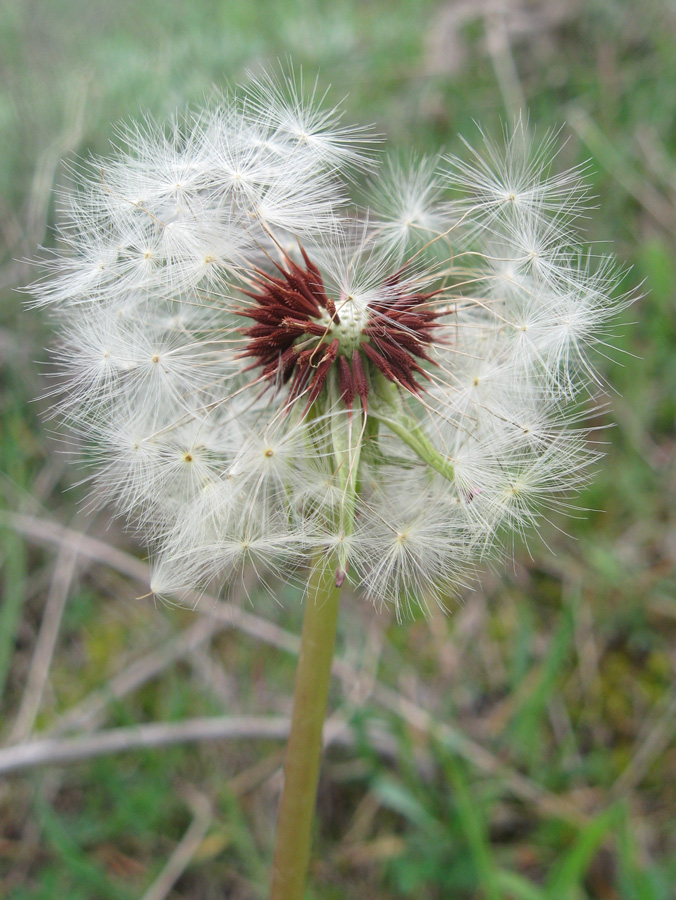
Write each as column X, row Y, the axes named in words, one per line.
column 62, row 751
column 38, row 674
column 519, row 785
column 186, row 847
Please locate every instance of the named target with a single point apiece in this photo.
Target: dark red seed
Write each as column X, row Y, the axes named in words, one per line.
column 379, row 362
column 287, row 361
column 318, row 294
column 405, row 379
column 257, row 331
column 394, row 278
column 308, row 327
column 263, row 346
column 298, row 302
column 264, row 298
column 291, row 326
column 332, row 352
column 341, row 575
column 345, row 381
column 361, row 383
column 301, row 375
column 412, row 344
column 283, row 362
column 307, row 283
column 391, row 333
column 322, row 370
column 313, row 270
column 331, row 309
column 395, row 355
column 266, row 315
column 279, row 338
column 422, row 298
column 294, row 282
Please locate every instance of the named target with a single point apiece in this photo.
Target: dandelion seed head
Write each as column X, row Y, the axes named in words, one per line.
column 259, row 369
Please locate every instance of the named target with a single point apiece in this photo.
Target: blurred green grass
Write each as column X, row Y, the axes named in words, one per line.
column 562, row 667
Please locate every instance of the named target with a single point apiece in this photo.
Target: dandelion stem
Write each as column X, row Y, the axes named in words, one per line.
column 412, row 434
column 303, row 753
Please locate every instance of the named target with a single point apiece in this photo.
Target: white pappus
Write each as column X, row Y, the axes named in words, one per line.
column 262, row 369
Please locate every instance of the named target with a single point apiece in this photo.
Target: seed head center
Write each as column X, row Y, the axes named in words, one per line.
column 354, row 318
column 300, row 333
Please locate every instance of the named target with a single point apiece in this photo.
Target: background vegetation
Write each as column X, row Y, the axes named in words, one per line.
column 521, row 749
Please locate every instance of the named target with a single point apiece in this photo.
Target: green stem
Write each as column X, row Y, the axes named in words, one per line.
column 303, row 752
column 346, row 461
column 412, row 434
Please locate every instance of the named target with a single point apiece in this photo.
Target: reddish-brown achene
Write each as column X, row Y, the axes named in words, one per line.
column 298, row 336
